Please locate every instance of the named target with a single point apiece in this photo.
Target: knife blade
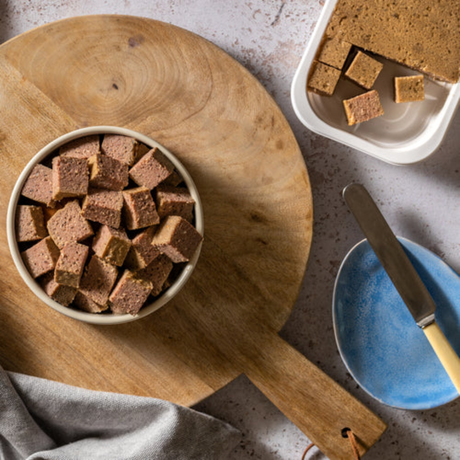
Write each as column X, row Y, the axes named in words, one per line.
column 402, row 274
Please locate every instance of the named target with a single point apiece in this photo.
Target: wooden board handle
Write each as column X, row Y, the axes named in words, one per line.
column 312, row 400
column 446, row 354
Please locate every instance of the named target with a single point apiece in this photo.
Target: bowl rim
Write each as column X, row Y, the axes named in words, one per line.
column 106, row 319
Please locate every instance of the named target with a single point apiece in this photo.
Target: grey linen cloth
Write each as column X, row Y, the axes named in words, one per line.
column 46, row 420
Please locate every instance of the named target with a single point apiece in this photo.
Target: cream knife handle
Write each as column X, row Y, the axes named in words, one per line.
column 446, row 354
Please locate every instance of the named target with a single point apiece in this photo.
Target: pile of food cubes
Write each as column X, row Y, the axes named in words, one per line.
column 106, row 224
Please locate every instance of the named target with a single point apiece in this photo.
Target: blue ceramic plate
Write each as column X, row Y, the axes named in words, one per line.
column 379, row 341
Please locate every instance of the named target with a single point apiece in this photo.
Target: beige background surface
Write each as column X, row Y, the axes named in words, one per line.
column 420, row 202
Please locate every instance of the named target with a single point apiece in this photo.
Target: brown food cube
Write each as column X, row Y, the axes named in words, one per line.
column 130, row 294
column 41, row 258
column 121, row 148
column 39, row 185
column 334, row 53
column 60, row 293
column 70, row 264
column 139, row 208
column 97, row 280
column 363, row 107
column 167, row 284
column 157, row 273
column 141, row 151
column 69, row 225
column 108, row 173
column 177, row 238
column 103, row 206
column 112, row 245
column 30, row 223
column 142, row 251
column 82, row 148
column 176, row 271
column 364, row 70
column 174, row 179
column 70, row 177
column 323, row 79
column 174, row 201
column 50, row 212
column 409, row 89
column 151, row 169
column 86, row 304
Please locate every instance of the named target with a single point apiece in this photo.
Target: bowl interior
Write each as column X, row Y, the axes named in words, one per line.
column 103, row 318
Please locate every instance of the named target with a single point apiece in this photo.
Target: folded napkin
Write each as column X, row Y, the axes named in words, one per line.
column 41, row 419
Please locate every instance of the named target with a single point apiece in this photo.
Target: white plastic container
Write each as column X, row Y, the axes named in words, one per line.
column 407, row 133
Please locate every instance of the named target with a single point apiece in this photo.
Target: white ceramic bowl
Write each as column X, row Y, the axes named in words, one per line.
column 103, row 318
column 407, row 133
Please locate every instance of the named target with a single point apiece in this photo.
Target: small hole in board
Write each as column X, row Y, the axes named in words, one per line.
column 345, row 432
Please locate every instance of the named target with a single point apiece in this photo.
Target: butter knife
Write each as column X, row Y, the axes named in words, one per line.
column 402, row 274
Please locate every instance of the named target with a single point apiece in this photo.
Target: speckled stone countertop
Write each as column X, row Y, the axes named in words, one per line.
column 420, row 202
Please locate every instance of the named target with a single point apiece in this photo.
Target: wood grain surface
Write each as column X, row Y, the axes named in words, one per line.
column 213, row 114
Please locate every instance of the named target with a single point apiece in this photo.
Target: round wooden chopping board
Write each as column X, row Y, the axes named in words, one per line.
column 217, row 118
